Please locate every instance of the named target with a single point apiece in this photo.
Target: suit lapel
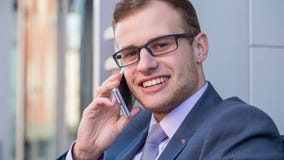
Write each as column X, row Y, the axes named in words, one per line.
column 177, row 143
column 133, row 148
column 193, row 120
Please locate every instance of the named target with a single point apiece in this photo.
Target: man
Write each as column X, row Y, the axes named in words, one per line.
column 161, row 49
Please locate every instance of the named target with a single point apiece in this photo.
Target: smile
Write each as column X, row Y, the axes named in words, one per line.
column 154, row 82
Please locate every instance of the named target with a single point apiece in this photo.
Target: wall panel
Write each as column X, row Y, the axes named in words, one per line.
column 268, row 86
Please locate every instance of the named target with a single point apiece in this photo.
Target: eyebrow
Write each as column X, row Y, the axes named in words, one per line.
column 129, row 46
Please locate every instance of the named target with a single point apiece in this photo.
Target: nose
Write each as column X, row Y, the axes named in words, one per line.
column 147, row 62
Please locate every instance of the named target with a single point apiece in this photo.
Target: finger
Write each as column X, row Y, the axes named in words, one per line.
column 114, row 77
column 112, row 82
column 99, row 104
column 105, row 91
column 135, row 111
column 101, row 101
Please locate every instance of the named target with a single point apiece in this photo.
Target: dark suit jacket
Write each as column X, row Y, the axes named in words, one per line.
column 215, row 129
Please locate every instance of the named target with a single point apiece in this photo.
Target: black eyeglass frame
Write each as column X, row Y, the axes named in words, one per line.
column 176, row 37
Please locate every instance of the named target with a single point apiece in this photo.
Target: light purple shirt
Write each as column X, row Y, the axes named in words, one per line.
column 173, row 120
column 170, row 123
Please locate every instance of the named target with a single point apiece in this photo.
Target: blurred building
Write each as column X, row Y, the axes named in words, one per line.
column 46, row 73
column 53, row 55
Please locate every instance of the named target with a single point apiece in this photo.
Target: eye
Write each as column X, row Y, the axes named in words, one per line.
column 162, row 45
column 130, row 54
column 118, row 56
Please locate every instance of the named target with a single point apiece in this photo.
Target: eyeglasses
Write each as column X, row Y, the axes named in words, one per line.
column 156, row 47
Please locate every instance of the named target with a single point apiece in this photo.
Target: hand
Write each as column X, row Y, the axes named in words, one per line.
column 101, row 122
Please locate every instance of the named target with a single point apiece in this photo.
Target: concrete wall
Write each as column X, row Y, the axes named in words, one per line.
column 246, row 54
column 267, row 57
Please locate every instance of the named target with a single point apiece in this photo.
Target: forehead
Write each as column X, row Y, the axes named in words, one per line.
column 155, row 19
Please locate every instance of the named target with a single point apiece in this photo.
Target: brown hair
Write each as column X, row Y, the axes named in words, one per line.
column 186, row 9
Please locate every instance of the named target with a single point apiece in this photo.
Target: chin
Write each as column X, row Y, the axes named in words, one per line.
column 158, row 108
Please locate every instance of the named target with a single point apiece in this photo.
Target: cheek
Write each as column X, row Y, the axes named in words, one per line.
column 129, row 74
column 184, row 61
column 185, row 67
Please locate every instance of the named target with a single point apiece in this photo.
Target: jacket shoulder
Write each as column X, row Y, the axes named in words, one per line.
column 242, row 126
column 134, row 128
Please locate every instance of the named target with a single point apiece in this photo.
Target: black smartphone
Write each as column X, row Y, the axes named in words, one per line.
column 124, row 97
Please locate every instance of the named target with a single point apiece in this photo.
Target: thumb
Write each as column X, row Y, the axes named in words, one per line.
column 123, row 121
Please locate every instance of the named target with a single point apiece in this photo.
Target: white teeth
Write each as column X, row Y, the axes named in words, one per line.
column 154, row 82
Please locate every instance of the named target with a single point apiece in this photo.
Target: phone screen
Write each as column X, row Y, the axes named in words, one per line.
column 124, row 97
column 126, row 93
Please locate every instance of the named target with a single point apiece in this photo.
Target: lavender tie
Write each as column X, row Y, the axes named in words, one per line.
column 154, row 138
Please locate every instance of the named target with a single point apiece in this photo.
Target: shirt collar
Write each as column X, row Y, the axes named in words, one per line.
column 171, row 122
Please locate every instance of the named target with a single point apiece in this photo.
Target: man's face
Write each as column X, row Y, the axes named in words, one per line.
column 159, row 83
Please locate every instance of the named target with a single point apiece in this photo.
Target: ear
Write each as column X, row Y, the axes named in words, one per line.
column 200, row 45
